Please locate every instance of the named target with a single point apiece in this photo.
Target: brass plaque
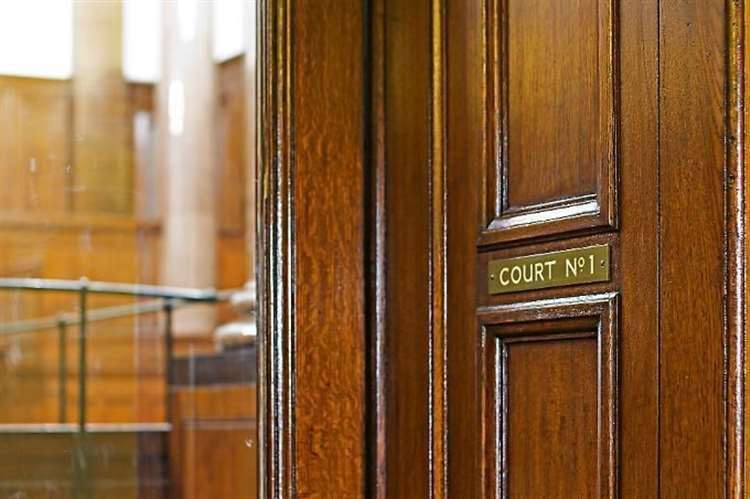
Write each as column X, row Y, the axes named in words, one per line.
column 549, row 270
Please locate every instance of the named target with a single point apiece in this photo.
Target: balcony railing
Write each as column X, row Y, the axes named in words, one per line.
column 165, row 299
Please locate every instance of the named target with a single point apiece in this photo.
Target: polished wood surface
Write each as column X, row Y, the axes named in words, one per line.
column 553, row 434
column 553, row 170
column 692, row 259
column 550, row 418
column 313, row 246
column 407, row 257
column 551, row 120
column 329, row 212
column 649, row 91
column 465, row 145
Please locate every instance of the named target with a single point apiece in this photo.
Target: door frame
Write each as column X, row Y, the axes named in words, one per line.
column 312, row 247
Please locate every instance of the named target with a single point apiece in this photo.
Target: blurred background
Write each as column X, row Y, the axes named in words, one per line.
column 127, row 222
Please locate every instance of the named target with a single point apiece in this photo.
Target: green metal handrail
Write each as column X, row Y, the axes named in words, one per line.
column 169, row 298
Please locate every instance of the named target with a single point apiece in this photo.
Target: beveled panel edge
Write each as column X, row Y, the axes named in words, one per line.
column 548, row 320
column 593, row 211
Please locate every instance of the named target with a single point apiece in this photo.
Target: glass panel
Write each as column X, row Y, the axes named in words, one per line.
column 127, row 222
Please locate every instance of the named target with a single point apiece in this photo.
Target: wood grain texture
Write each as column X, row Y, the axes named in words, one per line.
column 314, row 178
column 553, row 113
column 408, row 214
column 466, row 155
column 552, row 438
column 692, row 176
column 552, row 103
column 329, row 180
column 670, row 267
column 638, row 241
column 672, row 243
column 550, row 383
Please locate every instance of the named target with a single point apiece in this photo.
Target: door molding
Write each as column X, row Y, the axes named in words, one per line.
column 552, row 321
column 595, row 210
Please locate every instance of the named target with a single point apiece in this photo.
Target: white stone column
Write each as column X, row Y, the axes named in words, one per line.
column 251, row 120
column 102, row 157
column 186, row 107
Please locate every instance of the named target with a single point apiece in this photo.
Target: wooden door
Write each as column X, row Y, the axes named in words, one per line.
column 524, row 127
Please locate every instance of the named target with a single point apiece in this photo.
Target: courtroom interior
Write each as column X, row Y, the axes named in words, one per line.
column 127, row 274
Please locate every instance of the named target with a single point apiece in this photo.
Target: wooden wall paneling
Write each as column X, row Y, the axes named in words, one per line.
column 36, row 145
column 638, row 249
column 552, row 119
column 69, row 246
column 409, row 248
column 681, row 276
column 692, row 265
column 213, row 443
column 636, row 127
column 313, row 245
column 329, row 231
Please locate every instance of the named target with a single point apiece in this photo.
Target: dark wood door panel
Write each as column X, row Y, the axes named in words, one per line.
column 568, row 124
column 552, row 99
column 551, row 73
column 549, row 387
column 550, row 396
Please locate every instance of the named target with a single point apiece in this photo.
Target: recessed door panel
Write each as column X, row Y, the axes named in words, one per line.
column 553, row 100
column 552, row 160
column 551, row 429
column 550, row 378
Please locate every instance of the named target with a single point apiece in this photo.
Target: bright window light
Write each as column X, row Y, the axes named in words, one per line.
column 142, row 33
column 229, row 40
column 36, row 38
column 141, row 40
